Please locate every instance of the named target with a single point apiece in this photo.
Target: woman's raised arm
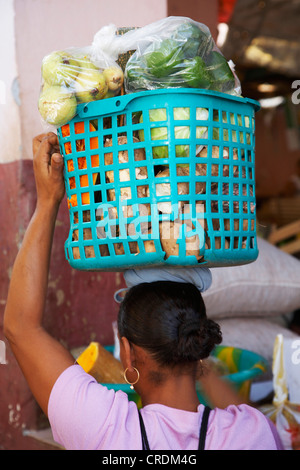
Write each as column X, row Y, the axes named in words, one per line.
column 41, row 357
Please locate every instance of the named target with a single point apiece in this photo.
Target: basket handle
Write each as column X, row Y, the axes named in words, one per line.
column 105, row 106
column 109, row 106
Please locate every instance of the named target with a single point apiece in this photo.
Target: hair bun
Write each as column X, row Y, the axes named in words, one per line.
column 186, row 328
column 197, row 338
column 168, row 319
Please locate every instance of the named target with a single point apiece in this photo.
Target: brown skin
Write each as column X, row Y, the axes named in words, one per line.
column 41, row 357
column 178, row 379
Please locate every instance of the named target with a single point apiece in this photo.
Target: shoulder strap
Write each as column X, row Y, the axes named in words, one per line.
column 203, row 428
column 202, row 436
column 143, row 432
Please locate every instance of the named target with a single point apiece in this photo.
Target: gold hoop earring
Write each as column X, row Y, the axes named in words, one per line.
column 131, row 383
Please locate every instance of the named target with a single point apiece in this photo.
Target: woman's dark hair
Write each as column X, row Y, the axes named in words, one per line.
column 168, row 319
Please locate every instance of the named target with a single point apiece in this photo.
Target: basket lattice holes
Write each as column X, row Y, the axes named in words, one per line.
column 185, row 198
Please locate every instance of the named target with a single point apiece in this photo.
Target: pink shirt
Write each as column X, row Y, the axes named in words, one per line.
column 85, row 415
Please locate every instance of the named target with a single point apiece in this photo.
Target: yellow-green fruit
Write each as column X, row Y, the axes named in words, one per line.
column 90, row 85
column 59, row 68
column 85, row 63
column 45, row 86
column 114, row 77
column 57, row 106
column 110, row 94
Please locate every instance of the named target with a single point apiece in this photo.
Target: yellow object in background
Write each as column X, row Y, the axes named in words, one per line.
column 101, row 364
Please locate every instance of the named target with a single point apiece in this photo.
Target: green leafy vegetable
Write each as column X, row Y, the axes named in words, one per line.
column 162, row 61
column 180, row 131
column 221, row 75
column 186, row 59
column 194, row 74
column 194, row 41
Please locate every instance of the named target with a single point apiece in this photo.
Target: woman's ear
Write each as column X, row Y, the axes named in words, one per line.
column 126, row 353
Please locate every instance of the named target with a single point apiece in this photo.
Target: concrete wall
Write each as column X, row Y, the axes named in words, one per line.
column 10, row 131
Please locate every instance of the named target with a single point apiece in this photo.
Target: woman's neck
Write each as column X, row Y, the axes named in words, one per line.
column 176, row 392
column 174, row 387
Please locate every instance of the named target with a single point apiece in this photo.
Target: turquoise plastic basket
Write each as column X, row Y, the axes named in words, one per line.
column 183, row 200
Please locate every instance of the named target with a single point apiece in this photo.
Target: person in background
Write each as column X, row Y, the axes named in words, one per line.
column 164, row 333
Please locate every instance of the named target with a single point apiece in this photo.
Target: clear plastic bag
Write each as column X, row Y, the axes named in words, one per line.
column 284, row 411
column 178, row 52
column 75, row 76
column 174, row 52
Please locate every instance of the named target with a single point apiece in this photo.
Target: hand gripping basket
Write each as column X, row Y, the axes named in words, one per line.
column 162, row 177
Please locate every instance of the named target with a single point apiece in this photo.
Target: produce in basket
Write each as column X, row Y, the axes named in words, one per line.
column 60, row 68
column 114, row 78
column 164, row 189
column 122, row 157
column 174, row 52
column 70, row 78
column 234, row 120
column 57, row 105
column 81, row 161
column 180, row 132
column 149, row 246
column 175, row 238
column 182, row 54
column 216, row 151
column 171, row 53
column 219, row 72
column 90, row 85
column 123, row 175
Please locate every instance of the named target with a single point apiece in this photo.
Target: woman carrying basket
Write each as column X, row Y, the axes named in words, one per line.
column 164, row 333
